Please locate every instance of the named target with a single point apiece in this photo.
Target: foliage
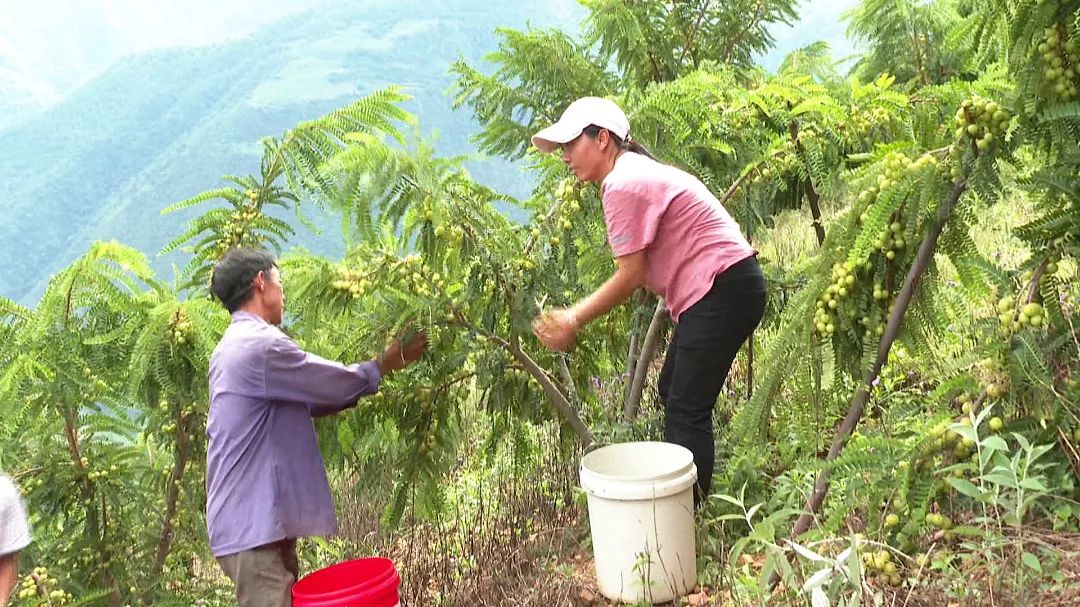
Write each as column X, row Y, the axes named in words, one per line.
column 967, row 361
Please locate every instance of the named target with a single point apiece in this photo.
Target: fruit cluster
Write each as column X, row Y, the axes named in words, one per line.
column 428, row 442
column 830, row 302
column 235, row 232
column 41, row 586
column 100, row 474
column 1059, row 61
column 939, row 520
column 569, row 193
column 1013, row 320
column 179, row 330
column 351, row 282
column 880, row 564
column 865, row 122
column 94, row 386
column 946, row 440
column 456, row 234
column 783, row 161
column 982, row 121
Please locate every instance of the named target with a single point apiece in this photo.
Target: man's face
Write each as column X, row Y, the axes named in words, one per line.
column 273, row 296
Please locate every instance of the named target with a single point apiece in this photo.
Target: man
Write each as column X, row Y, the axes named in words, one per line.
column 266, row 483
column 14, row 536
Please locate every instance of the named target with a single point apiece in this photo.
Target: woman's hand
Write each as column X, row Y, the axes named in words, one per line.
column 557, row 329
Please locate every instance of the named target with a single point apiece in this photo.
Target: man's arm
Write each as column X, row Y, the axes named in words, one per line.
column 293, row 375
column 330, row 387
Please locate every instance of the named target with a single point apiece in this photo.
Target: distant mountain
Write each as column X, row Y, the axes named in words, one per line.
column 163, row 125
column 50, row 47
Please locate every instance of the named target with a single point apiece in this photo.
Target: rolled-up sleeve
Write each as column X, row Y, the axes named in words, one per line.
column 327, row 386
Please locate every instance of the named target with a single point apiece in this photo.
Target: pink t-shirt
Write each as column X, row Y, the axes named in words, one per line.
column 689, row 237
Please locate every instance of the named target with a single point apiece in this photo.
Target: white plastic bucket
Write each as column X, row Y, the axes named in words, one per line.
column 641, row 514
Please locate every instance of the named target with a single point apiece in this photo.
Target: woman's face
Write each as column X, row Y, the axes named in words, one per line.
column 588, row 157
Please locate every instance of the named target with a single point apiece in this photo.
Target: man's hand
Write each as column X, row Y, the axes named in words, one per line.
column 398, row 357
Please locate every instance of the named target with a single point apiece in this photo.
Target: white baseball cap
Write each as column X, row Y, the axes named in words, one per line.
column 579, row 115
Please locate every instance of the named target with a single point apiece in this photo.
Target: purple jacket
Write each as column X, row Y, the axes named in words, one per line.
column 264, row 472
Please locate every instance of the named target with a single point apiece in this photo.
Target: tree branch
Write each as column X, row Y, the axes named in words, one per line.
column 892, row 331
column 688, row 47
column 734, row 41
column 541, row 376
column 567, row 379
column 811, row 193
column 648, row 349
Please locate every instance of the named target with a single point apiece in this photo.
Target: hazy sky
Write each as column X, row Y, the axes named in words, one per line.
column 48, row 47
column 818, row 20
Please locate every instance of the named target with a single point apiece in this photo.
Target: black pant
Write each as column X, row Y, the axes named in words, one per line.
column 703, row 346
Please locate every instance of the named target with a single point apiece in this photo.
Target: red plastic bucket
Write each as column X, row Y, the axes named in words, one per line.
column 368, row 582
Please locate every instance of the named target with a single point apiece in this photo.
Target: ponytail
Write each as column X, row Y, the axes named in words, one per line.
column 628, row 144
column 633, row 146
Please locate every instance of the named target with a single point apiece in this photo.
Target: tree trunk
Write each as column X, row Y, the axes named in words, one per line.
column 648, row 349
column 172, row 497
column 637, row 320
column 95, row 528
column 892, row 330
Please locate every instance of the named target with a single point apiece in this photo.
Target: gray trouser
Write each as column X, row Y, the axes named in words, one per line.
column 263, row 576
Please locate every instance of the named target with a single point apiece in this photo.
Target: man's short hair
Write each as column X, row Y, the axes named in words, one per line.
column 235, row 274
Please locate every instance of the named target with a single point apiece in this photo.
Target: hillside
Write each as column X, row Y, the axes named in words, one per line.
column 163, row 125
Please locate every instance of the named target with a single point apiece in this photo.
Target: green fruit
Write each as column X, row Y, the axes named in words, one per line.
column 892, row 520
column 996, row 424
column 993, row 391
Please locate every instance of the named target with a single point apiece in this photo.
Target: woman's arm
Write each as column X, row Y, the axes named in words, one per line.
column 558, row 329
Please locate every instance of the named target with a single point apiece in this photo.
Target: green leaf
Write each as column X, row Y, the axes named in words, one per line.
column 965, row 431
column 764, row 532
column 1031, row 561
column 967, row 488
column 753, row 509
column 968, row 531
column 729, row 499
column 1002, row 478
column 1033, row 484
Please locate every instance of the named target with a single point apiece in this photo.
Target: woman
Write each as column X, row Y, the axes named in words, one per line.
column 670, row 234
